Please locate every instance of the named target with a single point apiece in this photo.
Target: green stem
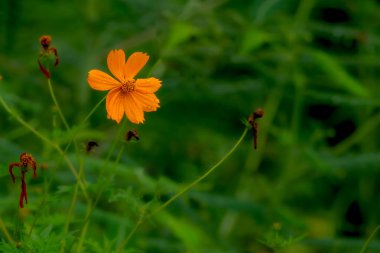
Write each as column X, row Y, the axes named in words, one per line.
column 369, row 239
column 52, row 94
column 101, row 176
column 57, row 105
column 92, row 207
column 360, row 134
column 73, row 135
column 80, row 174
column 181, row 192
column 69, row 218
column 196, row 181
column 93, row 110
column 132, row 232
column 6, row 232
column 44, row 138
column 106, row 163
column 25, row 124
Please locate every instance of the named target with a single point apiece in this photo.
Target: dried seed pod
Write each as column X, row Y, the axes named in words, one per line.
column 26, row 162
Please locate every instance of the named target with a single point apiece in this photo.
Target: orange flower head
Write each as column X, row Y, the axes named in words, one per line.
column 127, row 95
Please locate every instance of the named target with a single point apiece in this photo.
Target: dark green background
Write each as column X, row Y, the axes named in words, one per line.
column 313, row 66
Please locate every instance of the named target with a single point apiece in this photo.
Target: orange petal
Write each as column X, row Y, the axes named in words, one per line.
column 134, row 64
column 114, row 104
column 148, row 101
column 133, row 109
column 116, row 62
column 148, row 85
column 98, row 80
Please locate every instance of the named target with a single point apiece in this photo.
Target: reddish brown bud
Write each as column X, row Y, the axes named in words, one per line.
column 132, row 134
column 91, row 145
column 45, row 41
column 48, row 56
column 258, row 113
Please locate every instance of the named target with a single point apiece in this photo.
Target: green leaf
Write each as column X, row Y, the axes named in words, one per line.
column 338, row 74
column 193, row 237
column 179, row 33
column 254, row 39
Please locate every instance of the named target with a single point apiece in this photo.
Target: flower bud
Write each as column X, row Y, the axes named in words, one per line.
column 132, row 134
column 48, row 56
column 45, row 41
column 258, row 113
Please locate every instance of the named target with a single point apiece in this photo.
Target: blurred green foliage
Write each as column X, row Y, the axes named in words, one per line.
column 313, row 66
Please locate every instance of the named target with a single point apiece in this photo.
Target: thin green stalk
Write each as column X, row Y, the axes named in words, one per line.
column 92, row 207
column 73, row 135
column 47, row 140
column 73, row 201
column 77, row 186
column 133, row 231
column 5, row 232
column 181, row 192
column 105, row 165
column 93, row 110
column 101, row 175
column 365, row 246
column 69, row 217
column 52, row 94
column 37, row 216
column 57, row 105
column 360, row 134
column 26, row 125
column 196, row 181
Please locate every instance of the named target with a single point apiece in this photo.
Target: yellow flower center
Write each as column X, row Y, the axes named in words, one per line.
column 128, row 86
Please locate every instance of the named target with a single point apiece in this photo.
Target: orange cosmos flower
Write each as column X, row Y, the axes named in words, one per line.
column 126, row 94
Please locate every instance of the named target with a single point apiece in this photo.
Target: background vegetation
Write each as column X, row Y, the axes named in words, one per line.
column 313, row 66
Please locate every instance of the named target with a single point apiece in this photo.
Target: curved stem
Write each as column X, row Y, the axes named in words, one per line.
column 6, row 232
column 181, row 192
column 74, row 133
column 196, row 181
column 100, row 190
column 132, row 232
column 92, row 207
column 369, row 239
column 47, row 140
column 93, row 110
column 80, row 174
column 25, row 124
column 57, row 105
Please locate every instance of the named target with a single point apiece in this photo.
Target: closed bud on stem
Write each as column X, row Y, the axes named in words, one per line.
column 48, row 56
column 90, row 145
column 45, row 41
column 258, row 113
column 132, row 134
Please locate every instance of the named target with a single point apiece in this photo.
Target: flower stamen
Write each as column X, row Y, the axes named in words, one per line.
column 128, row 86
